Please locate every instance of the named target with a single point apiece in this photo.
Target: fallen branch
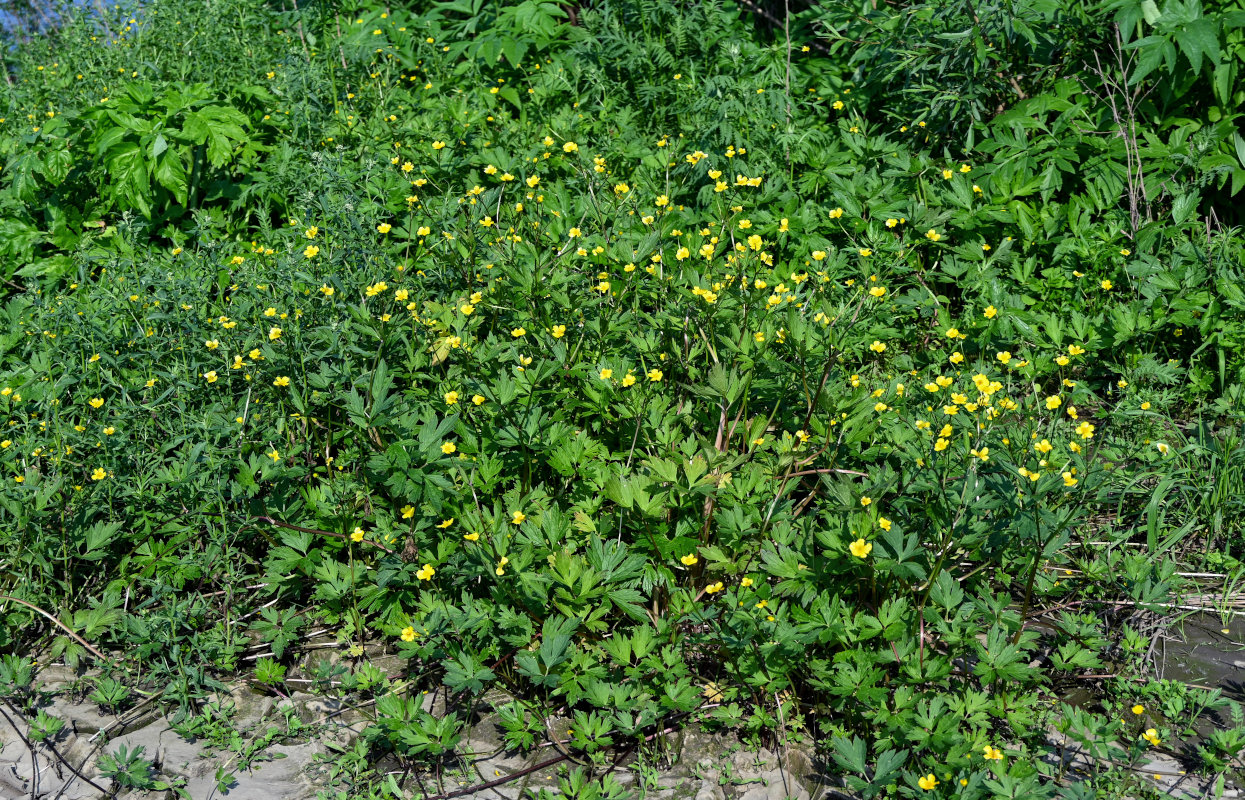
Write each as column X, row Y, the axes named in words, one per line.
column 63, row 627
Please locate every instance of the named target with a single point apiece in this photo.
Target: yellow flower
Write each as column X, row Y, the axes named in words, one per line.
column 426, row 572
column 1152, row 736
column 605, row 374
column 559, row 331
column 628, row 380
column 880, row 407
column 501, row 566
column 384, row 227
column 312, row 251
column 517, row 518
column 864, row 501
column 933, row 235
column 661, row 201
column 472, row 537
column 451, row 398
column 940, row 445
column 654, row 375
column 835, row 213
column 1163, row 448
column 1068, row 480
column 983, row 453
column 689, row 559
column 884, row 523
column 1106, row 285
column 408, row 634
column 282, row 380
column 274, row 333
column 877, row 347
column 1125, row 252
column 864, row 251
column 1053, row 402
column 96, row 402
column 448, row 448
column 517, row 332
column 357, row 535
column 311, row 232
column 408, row 511
column 1075, row 350
column 860, row 548
column 956, row 358
column 478, row 399
column 1085, row 430
column 878, row 291
column 210, row 377
column 1139, row 709
column 713, row 588
column 438, row 145
column 99, row 474
column 992, row 753
column 1004, row 357
column 928, row 782
column 991, row 312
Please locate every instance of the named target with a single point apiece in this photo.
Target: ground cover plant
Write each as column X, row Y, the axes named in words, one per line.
column 868, row 377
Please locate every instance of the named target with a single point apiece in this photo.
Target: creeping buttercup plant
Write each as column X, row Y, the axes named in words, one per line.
column 642, row 390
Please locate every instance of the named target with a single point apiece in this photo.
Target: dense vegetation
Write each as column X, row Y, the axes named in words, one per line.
column 865, row 373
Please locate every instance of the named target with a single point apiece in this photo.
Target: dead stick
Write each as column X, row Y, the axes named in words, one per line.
column 63, row 627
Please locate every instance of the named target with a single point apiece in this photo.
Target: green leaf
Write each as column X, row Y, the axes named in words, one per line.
column 850, row 754
column 171, row 174
column 1200, row 37
column 127, row 170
